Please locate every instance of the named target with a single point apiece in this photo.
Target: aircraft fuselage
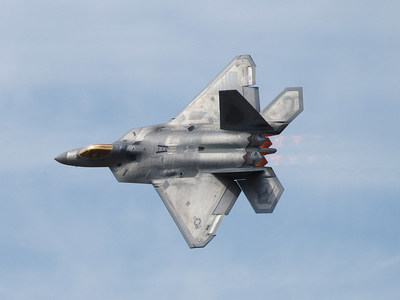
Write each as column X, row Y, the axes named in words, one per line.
column 161, row 151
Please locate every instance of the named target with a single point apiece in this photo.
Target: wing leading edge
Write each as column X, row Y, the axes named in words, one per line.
column 198, row 204
column 204, row 109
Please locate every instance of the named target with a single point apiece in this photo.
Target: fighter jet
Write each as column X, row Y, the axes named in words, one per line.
column 202, row 159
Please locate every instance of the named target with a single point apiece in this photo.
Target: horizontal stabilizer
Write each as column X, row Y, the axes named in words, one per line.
column 284, row 108
column 237, row 114
column 263, row 190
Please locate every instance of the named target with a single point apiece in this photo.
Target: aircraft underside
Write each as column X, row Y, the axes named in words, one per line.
column 209, row 153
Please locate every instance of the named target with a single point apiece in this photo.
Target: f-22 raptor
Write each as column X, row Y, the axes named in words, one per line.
column 202, row 159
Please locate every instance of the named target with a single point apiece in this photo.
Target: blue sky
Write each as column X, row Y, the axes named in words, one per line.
column 80, row 72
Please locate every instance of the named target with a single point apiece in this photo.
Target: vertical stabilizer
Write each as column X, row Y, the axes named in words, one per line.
column 237, row 114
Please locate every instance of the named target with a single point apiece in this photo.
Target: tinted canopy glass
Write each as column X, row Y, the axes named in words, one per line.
column 96, row 151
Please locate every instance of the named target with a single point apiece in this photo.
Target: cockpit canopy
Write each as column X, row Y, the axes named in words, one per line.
column 96, row 151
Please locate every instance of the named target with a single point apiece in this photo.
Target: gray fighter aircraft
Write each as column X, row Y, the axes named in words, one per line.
column 202, row 159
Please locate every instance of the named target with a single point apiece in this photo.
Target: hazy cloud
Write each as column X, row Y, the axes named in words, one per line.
column 81, row 72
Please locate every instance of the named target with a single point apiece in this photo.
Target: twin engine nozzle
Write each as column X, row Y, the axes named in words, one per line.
column 256, row 156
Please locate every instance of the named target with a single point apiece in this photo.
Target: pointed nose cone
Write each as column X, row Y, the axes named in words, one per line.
column 62, row 158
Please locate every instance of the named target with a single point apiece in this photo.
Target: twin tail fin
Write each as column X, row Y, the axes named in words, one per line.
column 237, row 114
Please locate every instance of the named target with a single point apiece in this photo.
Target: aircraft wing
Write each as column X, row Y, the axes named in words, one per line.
column 197, row 204
column 204, row 109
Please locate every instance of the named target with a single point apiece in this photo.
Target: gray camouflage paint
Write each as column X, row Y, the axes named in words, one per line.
column 197, row 168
